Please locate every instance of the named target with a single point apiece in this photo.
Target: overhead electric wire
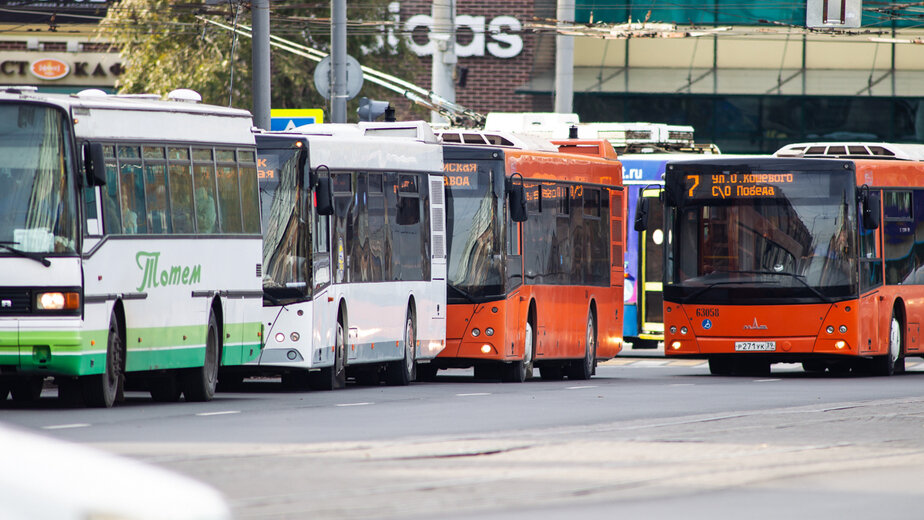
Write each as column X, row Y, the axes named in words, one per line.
column 458, row 114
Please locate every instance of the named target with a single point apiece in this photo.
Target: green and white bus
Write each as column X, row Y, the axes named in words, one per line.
column 130, row 245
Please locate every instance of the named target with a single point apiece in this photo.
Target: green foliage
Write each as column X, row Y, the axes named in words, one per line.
column 167, row 45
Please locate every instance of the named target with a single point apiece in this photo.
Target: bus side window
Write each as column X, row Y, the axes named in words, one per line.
column 204, row 190
column 229, row 192
column 250, row 195
column 155, row 188
column 180, row 182
column 132, row 190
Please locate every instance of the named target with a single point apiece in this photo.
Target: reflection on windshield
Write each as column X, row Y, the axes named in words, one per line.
column 780, row 242
column 285, row 267
column 475, row 264
column 38, row 211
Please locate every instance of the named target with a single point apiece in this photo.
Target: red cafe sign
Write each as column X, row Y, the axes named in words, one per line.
column 49, row 68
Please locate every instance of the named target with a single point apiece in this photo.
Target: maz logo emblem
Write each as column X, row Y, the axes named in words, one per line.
column 755, row 326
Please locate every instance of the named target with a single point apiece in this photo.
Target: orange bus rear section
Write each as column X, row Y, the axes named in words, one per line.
column 854, row 332
column 561, row 312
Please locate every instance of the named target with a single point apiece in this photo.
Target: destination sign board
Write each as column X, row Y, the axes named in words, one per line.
column 746, row 185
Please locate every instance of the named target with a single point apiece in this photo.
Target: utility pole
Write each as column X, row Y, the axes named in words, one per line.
column 261, row 64
column 564, row 61
column 443, row 38
column 338, row 63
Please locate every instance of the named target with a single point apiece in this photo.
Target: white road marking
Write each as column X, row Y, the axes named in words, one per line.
column 65, row 426
column 353, row 404
column 681, row 384
column 766, row 380
column 580, row 387
column 227, row 412
column 473, row 394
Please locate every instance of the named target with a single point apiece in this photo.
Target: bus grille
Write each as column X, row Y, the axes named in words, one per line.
column 15, row 301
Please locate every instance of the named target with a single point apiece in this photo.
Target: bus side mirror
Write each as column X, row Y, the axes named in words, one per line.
column 871, row 210
column 324, row 196
column 641, row 214
column 516, row 197
column 95, row 164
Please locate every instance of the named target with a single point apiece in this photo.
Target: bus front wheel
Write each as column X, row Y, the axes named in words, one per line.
column 892, row 362
column 521, row 370
column 102, row 390
column 584, row 368
column 403, row 371
column 199, row 383
column 332, row 377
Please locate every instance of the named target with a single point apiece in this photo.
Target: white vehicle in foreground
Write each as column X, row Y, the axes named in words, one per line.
column 56, row 480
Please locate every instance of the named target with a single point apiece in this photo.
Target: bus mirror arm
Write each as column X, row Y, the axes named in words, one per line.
column 95, row 164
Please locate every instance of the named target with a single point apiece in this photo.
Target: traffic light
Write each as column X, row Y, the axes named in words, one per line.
column 370, row 109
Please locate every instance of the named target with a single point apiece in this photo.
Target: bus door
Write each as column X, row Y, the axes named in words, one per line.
column 324, row 317
column 871, row 279
column 617, row 238
column 651, row 273
column 515, row 316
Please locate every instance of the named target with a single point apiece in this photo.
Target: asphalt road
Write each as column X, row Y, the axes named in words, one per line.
column 644, row 438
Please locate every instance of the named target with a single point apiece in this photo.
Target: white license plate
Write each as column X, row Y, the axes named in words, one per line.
column 755, row 346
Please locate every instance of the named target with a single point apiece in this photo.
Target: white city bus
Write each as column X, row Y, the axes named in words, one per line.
column 130, row 245
column 354, row 253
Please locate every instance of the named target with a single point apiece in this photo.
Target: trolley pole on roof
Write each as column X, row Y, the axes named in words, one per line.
column 261, row 64
column 443, row 36
column 338, row 56
column 564, row 61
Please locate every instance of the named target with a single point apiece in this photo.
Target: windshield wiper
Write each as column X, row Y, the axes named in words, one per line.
column 38, row 257
column 462, row 293
column 800, row 278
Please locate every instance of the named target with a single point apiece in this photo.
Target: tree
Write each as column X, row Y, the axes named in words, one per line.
column 167, row 45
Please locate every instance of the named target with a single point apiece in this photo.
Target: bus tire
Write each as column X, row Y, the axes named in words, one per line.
column 551, row 373
column 403, row 371
column 332, row 377
column 427, row 372
column 583, row 369
column 721, row 366
column 27, row 390
column 165, row 389
column 892, row 362
column 521, row 370
column 199, row 383
column 102, row 390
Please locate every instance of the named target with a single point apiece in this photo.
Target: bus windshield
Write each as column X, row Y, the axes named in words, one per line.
column 286, row 274
column 38, row 205
column 767, row 242
column 474, row 222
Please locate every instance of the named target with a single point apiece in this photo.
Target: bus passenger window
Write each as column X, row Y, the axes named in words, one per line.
column 132, row 191
column 156, row 195
column 250, row 195
column 112, row 221
column 229, row 199
column 204, row 190
column 181, row 204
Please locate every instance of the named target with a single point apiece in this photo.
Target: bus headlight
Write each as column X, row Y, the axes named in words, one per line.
column 57, row 301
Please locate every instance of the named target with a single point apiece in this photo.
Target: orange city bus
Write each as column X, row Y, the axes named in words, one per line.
column 812, row 261
column 544, row 292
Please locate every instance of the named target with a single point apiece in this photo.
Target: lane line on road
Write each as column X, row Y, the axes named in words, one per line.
column 681, row 384
column 766, row 380
column 580, row 387
column 65, row 426
column 353, row 404
column 473, row 394
column 226, row 412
